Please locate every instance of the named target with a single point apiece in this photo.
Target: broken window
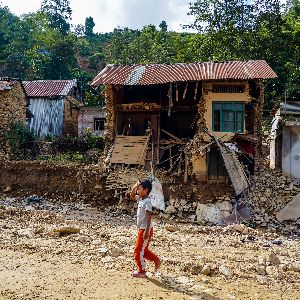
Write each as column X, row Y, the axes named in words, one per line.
column 228, row 116
column 99, row 124
column 232, row 88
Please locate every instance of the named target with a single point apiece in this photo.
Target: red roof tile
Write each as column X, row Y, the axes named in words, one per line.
column 48, row 88
column 161, row 73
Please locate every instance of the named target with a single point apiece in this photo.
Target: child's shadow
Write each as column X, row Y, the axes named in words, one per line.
column 163, row 281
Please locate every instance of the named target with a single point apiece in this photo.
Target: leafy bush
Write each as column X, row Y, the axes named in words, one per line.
column 77, row 144
column 64, row 157
column 94, row 141
column 84, row 149
column 21, row 140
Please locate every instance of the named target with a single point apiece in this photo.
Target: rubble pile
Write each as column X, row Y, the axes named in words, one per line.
column 270, row 192
column 120, row 180
column 215, row 260
column 194, row 211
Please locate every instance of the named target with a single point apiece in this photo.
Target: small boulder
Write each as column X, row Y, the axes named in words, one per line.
column 261, row 270
column 205, row 270
column 7, row 189
column 274, row 259
column 170, row 210
column 172, row 228
column 224, row 205
column 66, row 230
column 225, row 271
column 115, row 252
column 294, row 267
column 103, row 251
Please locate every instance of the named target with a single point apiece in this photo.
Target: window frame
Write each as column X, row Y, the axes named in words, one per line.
column 234, row 110
column 99, row 119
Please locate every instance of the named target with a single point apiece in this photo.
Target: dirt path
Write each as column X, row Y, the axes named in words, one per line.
column 32, row 276
column 38, row 263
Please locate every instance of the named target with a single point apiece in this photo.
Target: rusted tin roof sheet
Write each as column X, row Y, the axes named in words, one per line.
column 161, row 73
column 48, row 88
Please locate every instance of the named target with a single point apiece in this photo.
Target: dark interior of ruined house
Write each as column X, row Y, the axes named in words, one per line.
column 170, row 111
column 140, row 106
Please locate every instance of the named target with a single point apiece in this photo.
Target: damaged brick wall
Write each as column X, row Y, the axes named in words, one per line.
column 71, row 112
column 258, row 123
column 13, row 105
column 110, row 125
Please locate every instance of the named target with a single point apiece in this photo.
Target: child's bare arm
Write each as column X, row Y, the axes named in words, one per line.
column 133, row 191
column 148, row 221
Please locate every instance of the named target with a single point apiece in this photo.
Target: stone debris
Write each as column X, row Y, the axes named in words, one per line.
column 270, row 192
column 172, row 228
column 115, row 252
column 103, row 251
column 225, row 271
column 34, row 199
column 205, row 270
column 66, row 230
column 273, row 259
column 7, row 189
column 292, row 210
column 208, row 214
column 201, row 213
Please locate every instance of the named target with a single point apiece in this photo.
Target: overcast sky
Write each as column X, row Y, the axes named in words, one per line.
column 109, row 14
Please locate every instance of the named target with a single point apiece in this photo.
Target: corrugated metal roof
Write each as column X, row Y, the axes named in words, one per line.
column 161, row 73
column 290, row 107
column 48, row 88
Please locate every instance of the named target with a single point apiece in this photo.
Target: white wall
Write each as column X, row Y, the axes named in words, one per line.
column 86, row 119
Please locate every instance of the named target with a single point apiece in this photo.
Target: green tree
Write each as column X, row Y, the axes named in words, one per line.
column 163, row 26
column 61, row 59
column 292, row 69
column 59, row 13
column 124, row 47
column 89, row 27
column 13, row 42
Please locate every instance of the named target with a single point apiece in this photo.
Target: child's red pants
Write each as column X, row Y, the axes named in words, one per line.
column 142, row 252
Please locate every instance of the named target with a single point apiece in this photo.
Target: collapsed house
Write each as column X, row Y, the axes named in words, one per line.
column 55, row 107
column 189, row 119
column 13, row 105
column 285, row 139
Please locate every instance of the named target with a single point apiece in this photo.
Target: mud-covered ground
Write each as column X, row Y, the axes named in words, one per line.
column 39, row 260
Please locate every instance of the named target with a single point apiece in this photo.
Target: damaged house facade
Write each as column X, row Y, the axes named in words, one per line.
column 13, row 105
column 54, row 105
column 186, row 118
column 285, row 139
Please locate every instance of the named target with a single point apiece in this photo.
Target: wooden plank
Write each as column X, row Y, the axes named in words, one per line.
column 143, row 154
column 185, row 90
column 129, row 150
column 171, row 135
column 185, row 176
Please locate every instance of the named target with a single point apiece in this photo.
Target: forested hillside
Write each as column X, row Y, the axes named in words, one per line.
column 44, row 45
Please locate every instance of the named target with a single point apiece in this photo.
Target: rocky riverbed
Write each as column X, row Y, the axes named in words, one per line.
column 52, row 250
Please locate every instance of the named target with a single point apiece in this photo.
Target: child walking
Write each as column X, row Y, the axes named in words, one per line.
column 145, row 229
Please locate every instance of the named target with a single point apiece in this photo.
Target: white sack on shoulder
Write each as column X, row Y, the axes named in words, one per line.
column 157, row 195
